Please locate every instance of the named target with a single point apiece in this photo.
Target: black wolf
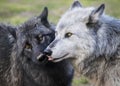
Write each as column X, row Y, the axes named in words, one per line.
column 91, row 39
column 23, row 68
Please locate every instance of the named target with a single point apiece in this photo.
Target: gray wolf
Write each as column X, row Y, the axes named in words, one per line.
column 91, row 40
column 26, row 66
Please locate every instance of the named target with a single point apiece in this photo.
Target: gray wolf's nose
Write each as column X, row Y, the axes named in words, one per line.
column 48, row 52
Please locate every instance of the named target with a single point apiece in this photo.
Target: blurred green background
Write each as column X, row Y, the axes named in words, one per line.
column 17, row 11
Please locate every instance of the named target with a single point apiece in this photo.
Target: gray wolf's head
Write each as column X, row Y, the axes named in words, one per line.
column 32, row 37
column 76, row 33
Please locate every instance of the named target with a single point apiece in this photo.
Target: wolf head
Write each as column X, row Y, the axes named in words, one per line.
column 75, row 34
column 32, row 37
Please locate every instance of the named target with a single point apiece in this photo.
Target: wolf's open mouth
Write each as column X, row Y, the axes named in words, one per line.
column 57, row 59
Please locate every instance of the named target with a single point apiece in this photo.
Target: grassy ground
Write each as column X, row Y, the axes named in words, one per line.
column 18, row 11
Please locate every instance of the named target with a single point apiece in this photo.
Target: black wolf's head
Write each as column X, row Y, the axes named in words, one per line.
column 32, row 38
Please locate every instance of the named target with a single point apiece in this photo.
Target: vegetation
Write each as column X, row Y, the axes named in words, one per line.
column 18, row 11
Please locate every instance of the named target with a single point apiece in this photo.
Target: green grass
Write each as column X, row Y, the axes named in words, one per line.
column 79, row 81
column 18, row 11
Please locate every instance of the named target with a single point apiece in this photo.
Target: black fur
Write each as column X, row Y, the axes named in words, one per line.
column 6, row 43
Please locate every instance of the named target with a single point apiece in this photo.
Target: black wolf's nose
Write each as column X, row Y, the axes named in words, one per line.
column 48, row 52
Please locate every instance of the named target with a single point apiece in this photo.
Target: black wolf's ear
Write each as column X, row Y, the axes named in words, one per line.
column 75, row 4
column 44, row 17
column 12, row 31
column 96, row 14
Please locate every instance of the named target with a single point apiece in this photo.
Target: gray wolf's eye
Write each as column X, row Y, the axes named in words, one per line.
column 28, row 46
column 69, row 34
column 40, row 38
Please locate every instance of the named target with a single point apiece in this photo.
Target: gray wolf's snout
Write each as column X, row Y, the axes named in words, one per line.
column 48, row 52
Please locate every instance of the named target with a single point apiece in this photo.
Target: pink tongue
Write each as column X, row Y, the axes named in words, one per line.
column 50, row 58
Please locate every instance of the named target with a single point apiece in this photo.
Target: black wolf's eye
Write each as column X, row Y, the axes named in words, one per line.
column 40, row 38
column 28, row 46
column 69, row 34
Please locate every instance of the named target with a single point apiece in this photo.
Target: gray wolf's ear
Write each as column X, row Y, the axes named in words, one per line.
column 96, row 14
column 44, row 17
column 75, row 4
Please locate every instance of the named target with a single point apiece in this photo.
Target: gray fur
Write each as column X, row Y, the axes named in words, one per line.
column 94, row 47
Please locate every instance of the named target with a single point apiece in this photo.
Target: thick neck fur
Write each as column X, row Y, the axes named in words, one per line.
column 108, row 37
column 101, row 72
column 16, row 70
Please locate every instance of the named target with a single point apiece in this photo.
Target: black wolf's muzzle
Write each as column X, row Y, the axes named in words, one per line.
column 42, row 58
